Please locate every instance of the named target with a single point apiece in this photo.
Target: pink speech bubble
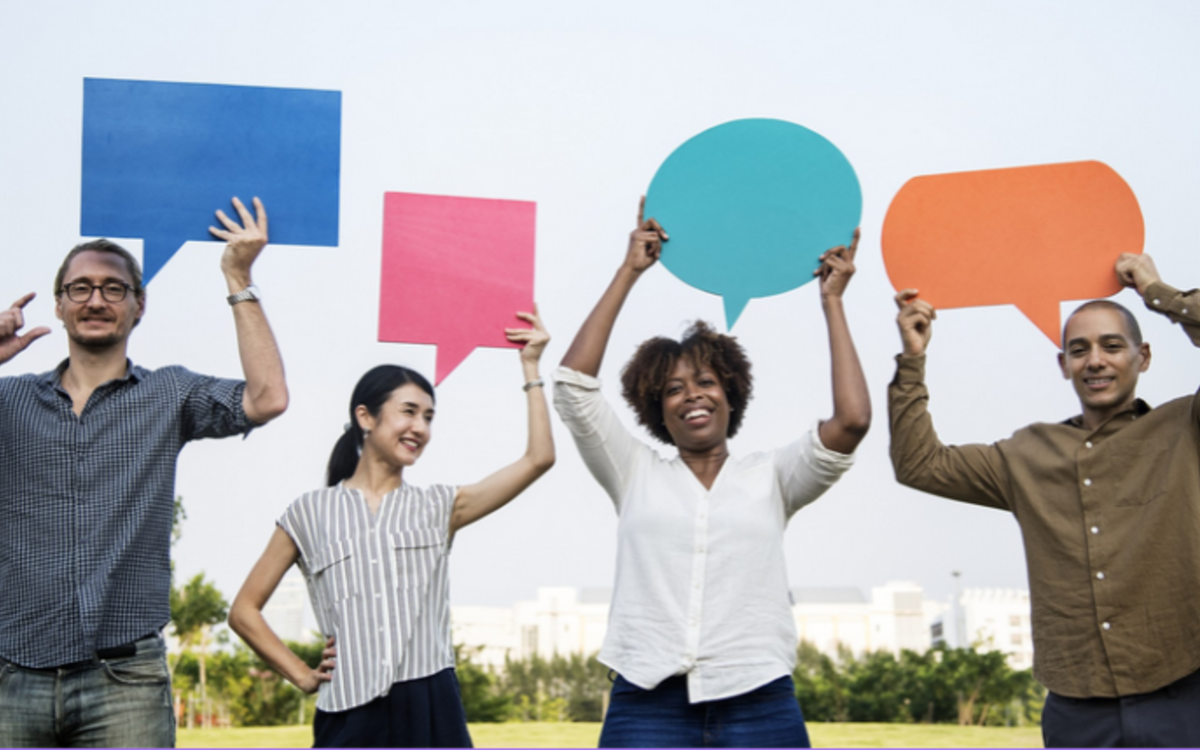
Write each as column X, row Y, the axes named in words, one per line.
column 455, row 270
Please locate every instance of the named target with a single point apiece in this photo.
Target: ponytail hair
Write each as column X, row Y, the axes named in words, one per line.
column 373, row 390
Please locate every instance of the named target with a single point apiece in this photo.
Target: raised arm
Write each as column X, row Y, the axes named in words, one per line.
column 266, row 394
column 645, row 245
column 1139, row 273
column 970, row 473
column 474, row 501
column 12, row 321
column 851, row 403
column 245, row 617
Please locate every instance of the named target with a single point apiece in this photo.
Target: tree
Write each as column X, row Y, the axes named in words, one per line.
column 482, row 700
column 195, row 608
column 561, row 688
column 821, row 687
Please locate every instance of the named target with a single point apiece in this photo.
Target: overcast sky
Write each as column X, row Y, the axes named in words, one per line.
column 574, row 106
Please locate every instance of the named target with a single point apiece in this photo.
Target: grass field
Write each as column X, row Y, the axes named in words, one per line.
column 585, row 735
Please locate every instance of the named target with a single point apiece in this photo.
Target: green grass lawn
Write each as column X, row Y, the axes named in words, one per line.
column 548, row 734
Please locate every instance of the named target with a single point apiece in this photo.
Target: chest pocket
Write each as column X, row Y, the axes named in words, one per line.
column 416, row 553
column 1147, row 465
column 333, row 567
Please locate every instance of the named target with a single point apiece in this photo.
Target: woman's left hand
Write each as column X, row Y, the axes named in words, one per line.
column 837, row 266
column 534, row 339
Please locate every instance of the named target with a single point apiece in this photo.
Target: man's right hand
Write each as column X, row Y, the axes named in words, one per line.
column 645, row 242
column 11, row 321
column 915, row 321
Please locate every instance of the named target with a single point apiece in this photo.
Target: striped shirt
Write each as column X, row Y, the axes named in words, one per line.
column 86, row 505
column 380, row 584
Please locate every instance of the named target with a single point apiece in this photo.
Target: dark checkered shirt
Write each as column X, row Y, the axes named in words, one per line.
column 86, row 505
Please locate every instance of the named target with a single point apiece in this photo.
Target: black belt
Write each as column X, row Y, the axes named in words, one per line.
column 112, row 652
column 117, row 652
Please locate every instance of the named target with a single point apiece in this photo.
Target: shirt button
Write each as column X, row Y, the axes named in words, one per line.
column 1087, row 482
column 1088, row 443
column 1095, row 529
column 1157, row 303
column 1184, row 311
column 1100, row 575
column 1107, row 626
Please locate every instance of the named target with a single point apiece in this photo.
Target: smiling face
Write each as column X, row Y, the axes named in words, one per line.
column 402, row 429
column 1102, row 361
column 695, row 408
column 97, row 323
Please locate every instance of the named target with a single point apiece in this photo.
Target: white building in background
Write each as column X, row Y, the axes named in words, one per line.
column 894, row 618
column 991, row 619
column 564, row 620
column 287, row 610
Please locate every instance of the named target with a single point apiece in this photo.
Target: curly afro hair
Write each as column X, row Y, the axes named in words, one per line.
column 645, row 375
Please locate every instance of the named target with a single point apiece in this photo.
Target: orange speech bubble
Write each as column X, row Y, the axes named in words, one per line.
column 1024, row 236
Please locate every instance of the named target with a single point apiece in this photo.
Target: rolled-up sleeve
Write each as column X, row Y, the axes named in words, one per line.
column 607, row 448
column 806, row 468
column 212, row 407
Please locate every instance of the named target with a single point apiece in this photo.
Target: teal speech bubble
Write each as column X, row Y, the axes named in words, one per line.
column 750, row 205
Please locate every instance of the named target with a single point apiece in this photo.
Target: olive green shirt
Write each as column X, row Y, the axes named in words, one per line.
column 1110, row 519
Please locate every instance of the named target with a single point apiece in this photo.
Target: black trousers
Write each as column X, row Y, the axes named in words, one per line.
column 1168, row 717
column 417, row 713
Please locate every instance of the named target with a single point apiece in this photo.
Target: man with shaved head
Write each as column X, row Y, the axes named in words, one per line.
column 1109, row 508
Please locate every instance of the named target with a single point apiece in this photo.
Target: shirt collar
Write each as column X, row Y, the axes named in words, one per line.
column 1137, row 409
column 53, row 378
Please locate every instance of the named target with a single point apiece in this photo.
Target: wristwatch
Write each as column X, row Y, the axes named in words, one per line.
column 248, row 294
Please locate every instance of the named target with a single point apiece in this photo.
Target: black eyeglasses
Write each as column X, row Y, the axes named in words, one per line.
column 111, row 291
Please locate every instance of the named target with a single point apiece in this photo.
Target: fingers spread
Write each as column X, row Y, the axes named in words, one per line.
column 247, row 219
column 33, row 335
column 229, row 223
column 261, row 210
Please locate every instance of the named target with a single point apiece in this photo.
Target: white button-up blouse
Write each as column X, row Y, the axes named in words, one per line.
column 379, row 583
column 701, row 586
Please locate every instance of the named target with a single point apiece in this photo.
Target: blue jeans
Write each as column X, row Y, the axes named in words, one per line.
column 768, row 716
column 117, row 702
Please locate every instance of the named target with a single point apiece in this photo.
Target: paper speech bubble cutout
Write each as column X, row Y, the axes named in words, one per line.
column 455, row 270
column 750, row 205
column 159, row 158
column 1025, row 236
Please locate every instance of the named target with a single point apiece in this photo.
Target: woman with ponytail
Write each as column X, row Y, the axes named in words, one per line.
column 374, row 551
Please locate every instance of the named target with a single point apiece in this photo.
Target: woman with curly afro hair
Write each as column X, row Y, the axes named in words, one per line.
column 701, row 634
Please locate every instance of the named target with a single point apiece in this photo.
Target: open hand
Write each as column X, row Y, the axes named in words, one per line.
column 12, row 320
column 645, row 242
column 244, row 241
column 534, row 339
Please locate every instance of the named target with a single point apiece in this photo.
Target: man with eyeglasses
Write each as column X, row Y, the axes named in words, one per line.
column 87, row 483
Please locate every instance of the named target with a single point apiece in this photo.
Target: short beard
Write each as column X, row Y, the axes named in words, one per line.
column 96, row 343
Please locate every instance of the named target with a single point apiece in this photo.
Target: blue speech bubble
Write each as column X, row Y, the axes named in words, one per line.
column 159, row 158
column 750, row 205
